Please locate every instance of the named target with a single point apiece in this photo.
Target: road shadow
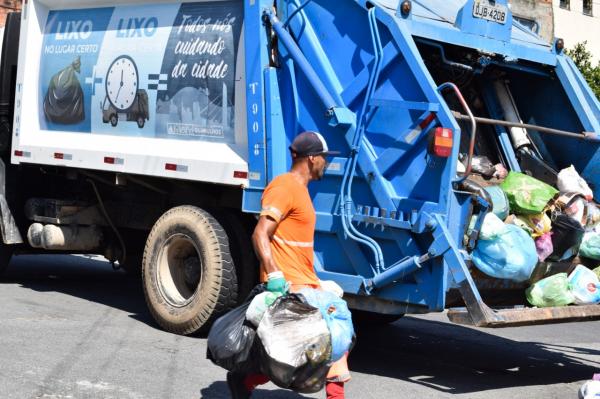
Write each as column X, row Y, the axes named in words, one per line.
column 219, row 390
column 445, row 357
column 454, row 359
column 88, row 277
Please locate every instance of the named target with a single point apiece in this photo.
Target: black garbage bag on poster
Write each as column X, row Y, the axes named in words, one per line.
column 63, row 103
column 231, row 338
column 295, row 345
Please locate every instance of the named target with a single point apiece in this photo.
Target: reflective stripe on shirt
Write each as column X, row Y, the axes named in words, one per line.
column 302, row 244
column 276, row 211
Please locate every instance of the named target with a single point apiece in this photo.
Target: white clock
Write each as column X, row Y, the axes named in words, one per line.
column 122, row 82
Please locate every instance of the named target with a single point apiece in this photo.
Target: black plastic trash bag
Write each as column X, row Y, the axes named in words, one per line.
column 295, row 350
column 567, row 233
column 231, row 338
column 483, row 166
column 64, row 99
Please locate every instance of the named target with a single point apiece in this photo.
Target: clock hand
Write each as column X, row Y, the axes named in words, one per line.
column 118, row 92
column 122, row 77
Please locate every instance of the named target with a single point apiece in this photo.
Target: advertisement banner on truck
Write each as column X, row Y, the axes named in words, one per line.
column 158, row 70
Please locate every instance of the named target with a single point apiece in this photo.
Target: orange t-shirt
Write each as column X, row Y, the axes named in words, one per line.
column 288, row 202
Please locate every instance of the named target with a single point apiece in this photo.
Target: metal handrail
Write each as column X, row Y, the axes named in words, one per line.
column 465, row 106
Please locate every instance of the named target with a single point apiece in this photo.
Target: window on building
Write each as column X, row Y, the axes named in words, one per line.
column 566, row 4
column 528, row 23
column 587, row 7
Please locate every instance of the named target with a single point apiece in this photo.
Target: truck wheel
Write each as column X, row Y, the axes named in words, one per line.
column 114, row 120
column 188, row 273
column 141, row 122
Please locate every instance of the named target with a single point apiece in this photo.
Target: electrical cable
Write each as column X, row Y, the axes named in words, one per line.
column 109, row 221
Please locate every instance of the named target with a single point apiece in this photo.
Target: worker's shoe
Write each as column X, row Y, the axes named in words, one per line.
column 237, row 387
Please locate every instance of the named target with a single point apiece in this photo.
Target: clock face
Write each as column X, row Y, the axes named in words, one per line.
column 122, row 82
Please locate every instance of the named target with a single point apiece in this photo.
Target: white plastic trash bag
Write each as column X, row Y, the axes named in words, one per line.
column 569, row 181
column 492, row 227
column 259, row 305
column 590, row 390
column 296, row 345
column 584, row 286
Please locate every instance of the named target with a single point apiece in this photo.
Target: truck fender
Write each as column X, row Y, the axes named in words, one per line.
column 8, row 227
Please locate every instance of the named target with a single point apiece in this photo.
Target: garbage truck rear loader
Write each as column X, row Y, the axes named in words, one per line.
column 402, row 88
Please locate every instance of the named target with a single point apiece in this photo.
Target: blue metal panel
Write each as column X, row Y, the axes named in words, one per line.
column 256, row 59
column 579, row 98
column 275, row 130
column 399, row 201
column 467, row 23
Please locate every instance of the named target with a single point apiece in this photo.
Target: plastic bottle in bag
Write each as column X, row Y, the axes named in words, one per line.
column 584, row 286
column 337, row 315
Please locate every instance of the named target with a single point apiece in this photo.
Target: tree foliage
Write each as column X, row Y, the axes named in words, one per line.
column 583, row 59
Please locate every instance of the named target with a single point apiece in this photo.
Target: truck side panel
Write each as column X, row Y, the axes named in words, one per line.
column 81, row 71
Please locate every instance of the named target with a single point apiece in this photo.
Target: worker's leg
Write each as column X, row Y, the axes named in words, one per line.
column 241, row 385
column 337, row 376
column 253, row 380
column 335, row 390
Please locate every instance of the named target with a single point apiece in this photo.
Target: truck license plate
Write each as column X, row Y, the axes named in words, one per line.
column 492, row 12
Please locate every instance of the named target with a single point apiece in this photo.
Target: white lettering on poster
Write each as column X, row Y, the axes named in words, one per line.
column 211, row 46
column 137, row 27
column 74, row 30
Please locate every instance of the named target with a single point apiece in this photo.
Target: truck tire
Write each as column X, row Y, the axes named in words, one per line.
column 188, row 274
column 141, row 122
column 238, row 228
column 114, row 120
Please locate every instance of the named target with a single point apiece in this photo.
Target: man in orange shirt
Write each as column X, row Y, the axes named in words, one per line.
column 283, row 241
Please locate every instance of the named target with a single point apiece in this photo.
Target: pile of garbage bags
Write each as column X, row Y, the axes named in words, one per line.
column 531, row 222
column 293, row 339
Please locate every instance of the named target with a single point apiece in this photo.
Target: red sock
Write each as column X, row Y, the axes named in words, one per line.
column 335, row 390
column 253, row 380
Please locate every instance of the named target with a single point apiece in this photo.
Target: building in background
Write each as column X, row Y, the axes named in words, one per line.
column 536, row 15
column 576, row 21
column 7, row 6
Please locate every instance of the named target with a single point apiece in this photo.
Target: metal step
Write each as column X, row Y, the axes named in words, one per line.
column 528, row 316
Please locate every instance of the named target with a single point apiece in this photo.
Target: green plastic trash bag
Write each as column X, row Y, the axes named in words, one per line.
column 551, row 291
column 590, row 245
column 527, row 195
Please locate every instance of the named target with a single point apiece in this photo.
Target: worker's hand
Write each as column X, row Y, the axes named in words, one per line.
column 276, row 283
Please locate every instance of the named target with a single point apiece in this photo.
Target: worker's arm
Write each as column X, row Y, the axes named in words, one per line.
column 261, row 239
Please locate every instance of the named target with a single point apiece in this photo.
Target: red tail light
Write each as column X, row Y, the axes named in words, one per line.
column 442, row 142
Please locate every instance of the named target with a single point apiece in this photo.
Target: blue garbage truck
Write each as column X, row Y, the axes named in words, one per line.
column 409, row 92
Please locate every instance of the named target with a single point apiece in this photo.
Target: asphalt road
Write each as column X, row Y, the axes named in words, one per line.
column 71, row 327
